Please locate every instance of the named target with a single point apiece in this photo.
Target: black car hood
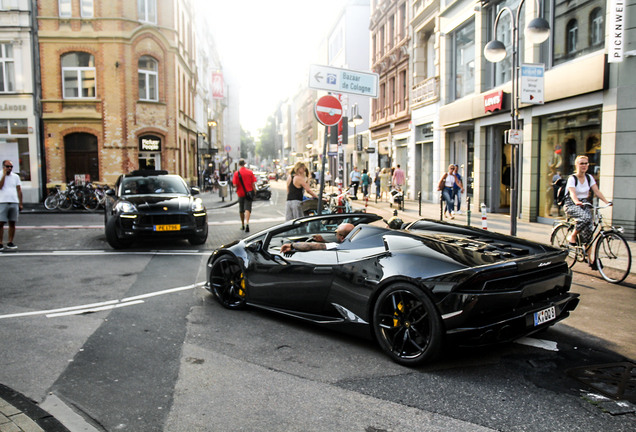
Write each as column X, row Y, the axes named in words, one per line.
column 151, row 203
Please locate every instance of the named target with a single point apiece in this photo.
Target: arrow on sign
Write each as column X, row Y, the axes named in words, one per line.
column 318, row 77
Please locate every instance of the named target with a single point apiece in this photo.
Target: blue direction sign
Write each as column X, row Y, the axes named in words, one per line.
column 339, row 80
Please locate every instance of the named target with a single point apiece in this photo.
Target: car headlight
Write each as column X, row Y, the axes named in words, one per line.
column 197, row 205
column 125, row 207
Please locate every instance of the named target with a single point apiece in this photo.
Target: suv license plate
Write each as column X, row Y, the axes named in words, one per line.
column 167, row 227
column 544, row 316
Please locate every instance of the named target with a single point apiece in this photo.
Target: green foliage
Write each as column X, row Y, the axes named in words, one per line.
column 247, row 144
column 266, row 146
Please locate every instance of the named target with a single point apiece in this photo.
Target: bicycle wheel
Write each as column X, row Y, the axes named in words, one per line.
column 91, row 202
column 559, row 239
column 64, row 202
column 613, row 257
column 50, row 203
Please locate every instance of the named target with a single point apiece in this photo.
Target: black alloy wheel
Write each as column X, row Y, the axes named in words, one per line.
column 227, row 283
column 407, row 325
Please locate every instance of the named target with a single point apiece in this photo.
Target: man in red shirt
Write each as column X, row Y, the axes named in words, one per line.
column 245, row 204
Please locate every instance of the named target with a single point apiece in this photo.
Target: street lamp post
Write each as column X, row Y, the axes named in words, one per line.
column 354, row 122
column 537, row 31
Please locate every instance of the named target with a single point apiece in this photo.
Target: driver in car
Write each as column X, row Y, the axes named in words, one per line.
column 318, row 242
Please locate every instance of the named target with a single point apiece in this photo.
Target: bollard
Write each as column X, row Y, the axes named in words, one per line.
column 441, row 206
column 419, row 199
column 484, row 223
column 468, row 211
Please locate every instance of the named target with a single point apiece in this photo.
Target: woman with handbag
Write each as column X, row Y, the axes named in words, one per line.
column 445, row 186
column 296, row 182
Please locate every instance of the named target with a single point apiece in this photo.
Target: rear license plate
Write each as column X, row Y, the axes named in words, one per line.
column 544, row 316
column 176, row 227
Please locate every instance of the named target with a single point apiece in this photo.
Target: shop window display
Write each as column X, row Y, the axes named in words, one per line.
column 564, row 136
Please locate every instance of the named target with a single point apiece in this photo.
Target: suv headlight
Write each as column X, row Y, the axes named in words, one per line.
column 197, row 205
column 125, row 207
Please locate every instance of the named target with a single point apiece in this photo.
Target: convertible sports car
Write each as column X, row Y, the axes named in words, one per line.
column 410, row 289
column 153, row 204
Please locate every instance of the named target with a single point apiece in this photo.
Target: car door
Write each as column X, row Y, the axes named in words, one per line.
column 298, row 282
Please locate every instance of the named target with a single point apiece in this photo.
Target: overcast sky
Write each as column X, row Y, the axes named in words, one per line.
column 268, row 45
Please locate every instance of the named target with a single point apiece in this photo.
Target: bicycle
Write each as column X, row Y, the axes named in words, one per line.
column 612, row 256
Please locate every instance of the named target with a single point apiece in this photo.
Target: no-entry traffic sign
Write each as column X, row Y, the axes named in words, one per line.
column 328, row 110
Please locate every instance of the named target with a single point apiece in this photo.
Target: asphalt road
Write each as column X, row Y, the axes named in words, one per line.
column 164, row 356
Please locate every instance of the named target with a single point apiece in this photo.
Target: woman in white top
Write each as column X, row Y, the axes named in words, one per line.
column 446, row 184
column 578, row 195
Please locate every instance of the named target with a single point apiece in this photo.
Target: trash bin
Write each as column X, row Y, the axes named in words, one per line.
column 222, row 189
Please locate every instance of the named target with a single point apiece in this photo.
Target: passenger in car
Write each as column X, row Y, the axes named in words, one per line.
column 319, row 242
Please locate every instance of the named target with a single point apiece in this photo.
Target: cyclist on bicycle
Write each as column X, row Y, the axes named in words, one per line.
column 579, row 187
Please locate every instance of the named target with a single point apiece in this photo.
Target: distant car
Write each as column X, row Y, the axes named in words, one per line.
column 410, row 289
column 153, row 204
column 272, row 176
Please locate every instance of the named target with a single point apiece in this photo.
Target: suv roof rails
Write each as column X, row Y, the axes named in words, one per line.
column 146, row 173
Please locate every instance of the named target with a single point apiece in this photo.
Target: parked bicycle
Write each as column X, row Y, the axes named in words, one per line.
column 85, row 197
column 612, row 256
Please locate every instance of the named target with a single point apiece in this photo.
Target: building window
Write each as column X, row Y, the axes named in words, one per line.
column 13, row 145
column 147, row 11
column 463, row 56
column 403, row 90
column 66, row 9
column 8, row 4
column 501, row 72
column 391, row 35
column 572, row 35
column 597, row 31
column 78, row 75
column 392, row 96
column 148, row 79
column 564, row 136
column 7, row 71
column 382, row 36
column 87, row 8
column 404, row 27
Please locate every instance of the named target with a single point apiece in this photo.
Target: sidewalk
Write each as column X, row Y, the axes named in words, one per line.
column 20, row 414
column 210, row 199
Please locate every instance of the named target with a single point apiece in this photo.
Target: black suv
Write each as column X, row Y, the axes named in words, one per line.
column 153, row 204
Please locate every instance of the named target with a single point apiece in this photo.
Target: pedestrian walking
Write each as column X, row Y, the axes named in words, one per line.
column 385, row 179
column 355, row 180
column 245, row 182
column 458, row 190
column 377, row 181
column 398, row 178
column 10, row 202
column 445, row 186
column 296, row 182
column 365, row 181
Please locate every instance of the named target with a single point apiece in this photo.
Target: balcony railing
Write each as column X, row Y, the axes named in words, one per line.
column 425, row 92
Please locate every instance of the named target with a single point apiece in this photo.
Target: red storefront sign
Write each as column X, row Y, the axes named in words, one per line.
column 493, row 101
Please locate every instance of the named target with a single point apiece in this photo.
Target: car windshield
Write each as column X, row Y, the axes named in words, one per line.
column 153, row 185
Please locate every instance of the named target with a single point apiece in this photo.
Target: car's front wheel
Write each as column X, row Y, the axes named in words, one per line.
column 227, row 283
column 407, row 325
column 198, row 239
column 111, row 235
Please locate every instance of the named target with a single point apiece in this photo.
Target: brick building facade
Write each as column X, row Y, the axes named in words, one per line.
column 118, row 87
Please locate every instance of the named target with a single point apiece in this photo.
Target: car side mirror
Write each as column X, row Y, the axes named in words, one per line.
column 255, row 247
column 195, row 191
column 111, row 192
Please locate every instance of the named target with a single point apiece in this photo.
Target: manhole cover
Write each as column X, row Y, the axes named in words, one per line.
column 614, row 380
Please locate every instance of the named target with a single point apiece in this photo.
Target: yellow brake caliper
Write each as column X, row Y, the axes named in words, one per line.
column 241, row 292
column 396, row 322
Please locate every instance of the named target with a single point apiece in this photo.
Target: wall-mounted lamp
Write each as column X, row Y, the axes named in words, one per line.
column 212, row 123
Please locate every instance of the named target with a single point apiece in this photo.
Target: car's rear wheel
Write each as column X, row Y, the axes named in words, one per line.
column 111, row 235
column 407, row 325
column 227, row 283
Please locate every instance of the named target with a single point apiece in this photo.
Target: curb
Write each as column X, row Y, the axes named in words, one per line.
column 27, row 407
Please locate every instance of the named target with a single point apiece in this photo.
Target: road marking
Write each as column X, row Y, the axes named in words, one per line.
column 101, row 306
column 538, row 343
